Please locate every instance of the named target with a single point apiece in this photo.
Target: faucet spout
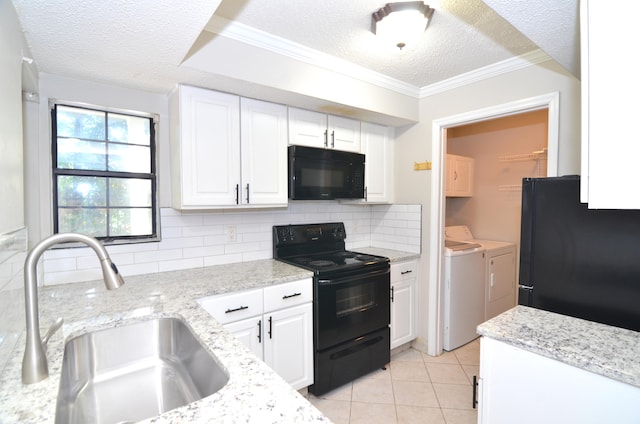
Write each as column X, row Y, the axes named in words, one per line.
column 34, row 362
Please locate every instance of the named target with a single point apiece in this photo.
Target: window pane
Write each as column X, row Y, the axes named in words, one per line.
column 130, row 222
column 81, row 123
column 129, row 192
column 86, row 221
column 82, row 191
column 80, row 154
column 129, row 129
column 126, row 158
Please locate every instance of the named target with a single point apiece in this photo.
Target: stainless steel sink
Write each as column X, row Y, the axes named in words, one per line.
column 135, row 371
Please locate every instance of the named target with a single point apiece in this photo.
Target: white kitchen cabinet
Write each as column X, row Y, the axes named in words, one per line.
column 518, row 386
column 263, row 136
column 500, row 281
column 403, row 302
column 314, row 129
column 378, row 149
column 610, row 88
column 276, row 323
column 459, row 176
column 226, row 151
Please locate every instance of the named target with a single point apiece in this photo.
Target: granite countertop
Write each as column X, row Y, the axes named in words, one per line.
column 602, row 349
column 393, row 255
column 254, row 393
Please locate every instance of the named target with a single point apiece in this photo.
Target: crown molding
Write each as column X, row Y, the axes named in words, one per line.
column 495, row 69
column 257, row 38
column 282, row 46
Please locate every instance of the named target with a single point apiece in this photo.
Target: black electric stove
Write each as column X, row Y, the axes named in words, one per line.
column 351, row 301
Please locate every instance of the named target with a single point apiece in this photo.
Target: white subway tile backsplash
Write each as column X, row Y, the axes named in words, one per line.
column 192, row 239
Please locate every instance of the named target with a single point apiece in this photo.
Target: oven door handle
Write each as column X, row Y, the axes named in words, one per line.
column 353, row 277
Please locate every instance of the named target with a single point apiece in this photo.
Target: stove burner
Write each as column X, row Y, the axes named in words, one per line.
column 321, row 263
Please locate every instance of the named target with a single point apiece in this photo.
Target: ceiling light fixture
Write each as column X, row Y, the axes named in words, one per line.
column 401, row 23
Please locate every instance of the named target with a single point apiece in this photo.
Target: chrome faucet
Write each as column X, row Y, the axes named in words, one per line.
column 34, row 363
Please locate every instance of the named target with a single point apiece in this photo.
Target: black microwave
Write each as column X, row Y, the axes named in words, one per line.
column 321, row 174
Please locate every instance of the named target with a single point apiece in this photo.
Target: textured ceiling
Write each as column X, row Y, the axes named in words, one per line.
column 142, row 43
column 463, row 35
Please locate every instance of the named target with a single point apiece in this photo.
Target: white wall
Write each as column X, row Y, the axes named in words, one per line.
column 12, row 232
column 38, row 141
column 414, row 143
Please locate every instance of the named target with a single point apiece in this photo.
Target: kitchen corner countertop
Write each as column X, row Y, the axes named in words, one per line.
column 612, row 352
column 253, row 394
column 393, row 255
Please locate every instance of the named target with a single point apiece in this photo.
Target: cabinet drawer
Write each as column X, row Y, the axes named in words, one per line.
column 234, row 306
column 288, row 294
column 404, row 270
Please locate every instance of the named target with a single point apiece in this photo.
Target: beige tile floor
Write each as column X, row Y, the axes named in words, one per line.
column 415, row 388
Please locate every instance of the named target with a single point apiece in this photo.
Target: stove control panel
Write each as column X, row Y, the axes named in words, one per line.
column 308, row 233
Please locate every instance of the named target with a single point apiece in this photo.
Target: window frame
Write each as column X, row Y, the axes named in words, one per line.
column 152, row 175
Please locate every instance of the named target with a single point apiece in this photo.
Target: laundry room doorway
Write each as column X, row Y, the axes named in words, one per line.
column 503, row 179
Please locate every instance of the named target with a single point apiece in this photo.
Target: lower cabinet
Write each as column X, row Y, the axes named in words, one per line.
column 403, row 302
column 276, row 323
column 518, row 386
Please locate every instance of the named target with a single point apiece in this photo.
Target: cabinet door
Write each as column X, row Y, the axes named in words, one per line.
column 344, row 134
column 518, row 386
column 403, row 323
column 249, row 333
column 376, row 145
column 610, row 88
column 459, row 176
column 264, row 153
column 209, row 166
column 288, row 344
column 307, row 128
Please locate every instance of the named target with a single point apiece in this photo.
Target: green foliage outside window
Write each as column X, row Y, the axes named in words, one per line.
column 104, row 173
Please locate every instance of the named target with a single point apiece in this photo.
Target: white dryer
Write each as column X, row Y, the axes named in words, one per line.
column 500, row 270
column 463, row 292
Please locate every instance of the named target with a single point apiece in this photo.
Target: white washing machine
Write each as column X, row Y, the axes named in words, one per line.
column 463, row 292
column 500, row 270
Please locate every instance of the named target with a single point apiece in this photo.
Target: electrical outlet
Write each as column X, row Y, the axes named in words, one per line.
column 232, row 233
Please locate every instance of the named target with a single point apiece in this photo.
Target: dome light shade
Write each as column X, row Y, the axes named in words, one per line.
column 401, row 23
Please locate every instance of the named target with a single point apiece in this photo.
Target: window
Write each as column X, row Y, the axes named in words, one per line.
column 104, row 174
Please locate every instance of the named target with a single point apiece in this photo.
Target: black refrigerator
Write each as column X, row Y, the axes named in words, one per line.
column 578, row 261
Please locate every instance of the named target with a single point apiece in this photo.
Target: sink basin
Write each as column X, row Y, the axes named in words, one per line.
column 135, row 371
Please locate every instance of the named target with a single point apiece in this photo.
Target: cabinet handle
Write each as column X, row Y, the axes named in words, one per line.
column 270, row 325
column 241, row 308
column 366, row 194
column 392, row 294
column 237, row 194
column 405, row 272
column 333, row 139
column 259, row 331
column 455, row 175
column 326, row 138
column 289, row 296
column 474, row 401
column 247, row 193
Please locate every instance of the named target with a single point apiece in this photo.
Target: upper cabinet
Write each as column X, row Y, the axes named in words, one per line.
column 314, row 129
column 217, row 162
column 378, row 149
column 459, row 176
column 610, row 87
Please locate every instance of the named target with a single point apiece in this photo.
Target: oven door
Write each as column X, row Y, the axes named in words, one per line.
column 350, row 306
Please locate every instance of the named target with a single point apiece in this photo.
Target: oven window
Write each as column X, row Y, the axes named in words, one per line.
column 354, row 299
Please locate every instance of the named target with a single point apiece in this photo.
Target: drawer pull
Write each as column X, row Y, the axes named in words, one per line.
column 405, row 272
column 288, row 296
column 241, row 308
